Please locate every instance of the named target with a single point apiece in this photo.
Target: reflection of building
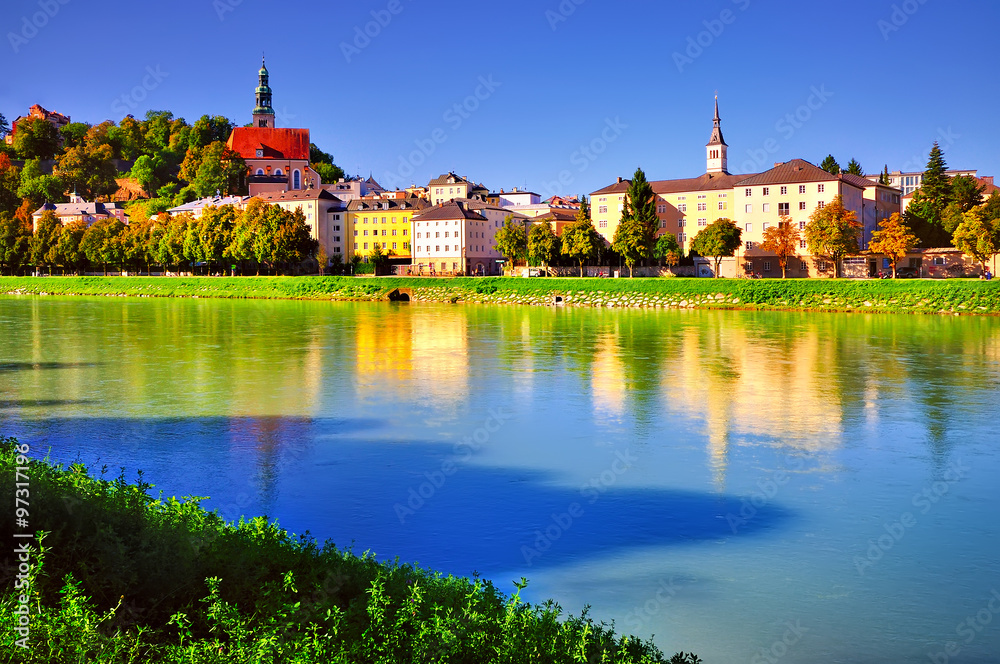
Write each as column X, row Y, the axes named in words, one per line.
column 383, row 348
column 607, row 378
column 277, row 159
column 440, row 348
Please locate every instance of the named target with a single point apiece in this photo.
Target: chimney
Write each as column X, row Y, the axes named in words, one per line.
column 778, row 163
column 619, row 179
column 988, row 179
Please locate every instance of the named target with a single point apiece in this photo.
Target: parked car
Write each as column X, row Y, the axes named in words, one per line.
column 907, row 272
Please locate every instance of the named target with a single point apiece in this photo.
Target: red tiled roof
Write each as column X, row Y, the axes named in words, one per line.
column 450, row 210
column 796, row 171
column 988, row 187
column 706, row 182
column 277, row 143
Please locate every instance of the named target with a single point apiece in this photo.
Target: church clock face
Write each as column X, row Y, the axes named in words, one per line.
column 260, row 153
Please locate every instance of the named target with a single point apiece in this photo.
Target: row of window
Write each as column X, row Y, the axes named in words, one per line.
column 383, row 245
column 820, row 188
column 364, row 220
column 783, row 208
column 385, row 231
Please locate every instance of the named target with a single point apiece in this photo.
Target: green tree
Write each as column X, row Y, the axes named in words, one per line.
column 830, row 165
column 832, row 233
column 884, row 178
column 10, row 182
column 38, row 187
column 147, row 172
column 45, row 237
column 322, row 260
column 322, row 163
column 978, row 236
column 66, row 251
column 74, row 134
column 543, row 245
column 89, row 170
column 510, row 240
column 635, row 237
column 926, row 212
column 36, row 139
column 893, row 240
column 966, row 192
column 782, row 241
column 129, row 140
column 15, row 242
column 219, row 169
column 4, row 126
column 207, row 130
column 580, row 240
column 719, row 239
column 667, row 250
column 854, row 168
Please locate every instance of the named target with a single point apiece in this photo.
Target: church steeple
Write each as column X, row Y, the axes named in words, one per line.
column 263, row 114
column 717, row 150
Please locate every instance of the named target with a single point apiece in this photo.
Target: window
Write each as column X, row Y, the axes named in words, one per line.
column 784, row 191
column 682, row 238
column 437, row 234
column 393, row 231
column 823, row 266
column 278, row 172
column 748, row 192
column 437, row 247
column 682, row 207
column 765, row 226
column 821, row 188
column 336, row 228
column 702, row 223
column 260, row 171
column 702, row 197
column 749, row 228
column 803, row 245
column 406, row 245
column 663, row 223
column 702, row 207
column 802, row 225
column 681, row 223
column 603, row 209
column 802, row 189
column 821, row 205
column 366, row 245
column 748, row 266
column 749, row 208
column 355, row 232
column 803, row 265
column 767, row 266
column 602, row 224
column 446, row 247
column 660, row 209
column 355, row 246
column 366, row 232
column 446, row 233
column 939, row 260
column 723, row 195
column 296, row 179
column 767, row 191
column 802, row 205
column 722, row 205
column 783, row 209
column 766, row 207
column 749, row 246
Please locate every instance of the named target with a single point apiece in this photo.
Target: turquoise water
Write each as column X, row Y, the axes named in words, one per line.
column 749, row 486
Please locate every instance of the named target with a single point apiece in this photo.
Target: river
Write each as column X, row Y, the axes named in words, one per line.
column 753, row 487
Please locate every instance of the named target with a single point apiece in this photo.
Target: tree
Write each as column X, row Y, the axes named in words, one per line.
column 719, row 239
column 207, row 130
column 66, row 251
column 926, row 212
column 38, row 187
column 128, row 139
column 894, row 240
column 376, row 256
column 510, row 240
column 74, row 134
column 4, row 126
column 667, row 250
column 966, row 192
column 147, row 172
column 635, row 237
column 322, row 163
column 782, row 241
column 884, row 178
column 10, row 182
column 832, row 232
column 36, row 138
column 45, row 237
column 89, row 170
column 830, row 165
column 218, row 169
column 15, row 242
column 543, row 245
column 580, row 240
column 854, row 168
column 322, row 259
column 978, row 236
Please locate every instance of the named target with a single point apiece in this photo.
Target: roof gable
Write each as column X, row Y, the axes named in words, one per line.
column 275, row 143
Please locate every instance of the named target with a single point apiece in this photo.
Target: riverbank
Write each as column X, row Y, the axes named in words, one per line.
column 956, row 296
column 125, row 577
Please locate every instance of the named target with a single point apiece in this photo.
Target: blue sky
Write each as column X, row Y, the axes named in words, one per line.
column 535, row 82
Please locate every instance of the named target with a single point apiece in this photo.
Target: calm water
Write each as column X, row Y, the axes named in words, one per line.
column 752, row 487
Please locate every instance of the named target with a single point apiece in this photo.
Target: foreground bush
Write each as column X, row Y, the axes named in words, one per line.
column 123, row 577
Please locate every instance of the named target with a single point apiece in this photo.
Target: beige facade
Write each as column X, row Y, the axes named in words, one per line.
column 458, row 237
column 325, row 215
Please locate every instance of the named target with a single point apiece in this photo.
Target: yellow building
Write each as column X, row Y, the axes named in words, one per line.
column 387, row 222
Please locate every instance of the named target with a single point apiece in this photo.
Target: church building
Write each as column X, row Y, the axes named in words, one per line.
column 277, row 159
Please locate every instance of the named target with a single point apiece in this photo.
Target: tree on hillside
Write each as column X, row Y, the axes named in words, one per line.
column 220, row 170
column 129, row 140
column 782, row 241
column 580, row 240
column 894, row 240
column 719, row 239
column 322, row 163
column 510, row 240
column 207, row 130
column 89, row 170
column 978, row 236
column 10, row 181
column 38, row 187
column 36, row 139
column 830, row 165
column 543, row 245
column 74, row 134
column 832, row 233
column 667, row 250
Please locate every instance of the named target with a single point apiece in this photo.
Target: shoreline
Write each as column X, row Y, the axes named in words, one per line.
column 951, row 297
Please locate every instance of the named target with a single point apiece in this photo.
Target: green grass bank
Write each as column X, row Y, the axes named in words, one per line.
column 956, row 296
column 123, row 577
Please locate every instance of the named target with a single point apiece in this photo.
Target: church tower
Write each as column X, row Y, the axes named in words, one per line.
column 263, row 114
column 718, row 158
